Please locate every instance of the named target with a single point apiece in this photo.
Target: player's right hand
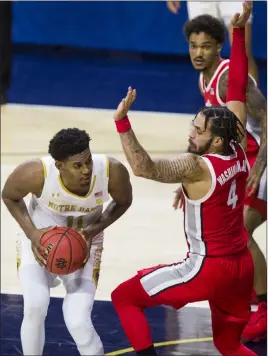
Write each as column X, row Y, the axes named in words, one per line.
column 240, row 20
column 174, row 6
column 38, row 250
column 179, row 199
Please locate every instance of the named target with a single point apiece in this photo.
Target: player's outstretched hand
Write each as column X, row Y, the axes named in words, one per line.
column 174, row 6
column 179, row 199
column 240, row 20
column 254, row 177
column 125, row 104
column 38, row 250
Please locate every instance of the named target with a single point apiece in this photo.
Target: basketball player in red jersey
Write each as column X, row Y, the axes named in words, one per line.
column 218, row 266
column 205, row 35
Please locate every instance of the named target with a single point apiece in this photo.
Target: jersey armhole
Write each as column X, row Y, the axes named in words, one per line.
column 217, row 87
column 107, row 166
column 44, row 168
column 212, row 187
column 245, row 156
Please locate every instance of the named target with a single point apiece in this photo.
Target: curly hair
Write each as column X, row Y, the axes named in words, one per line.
column 207, row 24
column 67, row 143
column 224, row 124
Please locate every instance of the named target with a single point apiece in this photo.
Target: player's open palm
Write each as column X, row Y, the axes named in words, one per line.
column 125, row 104
column 240, row 20
column 38, row 250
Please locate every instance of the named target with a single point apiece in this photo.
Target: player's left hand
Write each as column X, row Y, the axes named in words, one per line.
column 125, row 104
column 88, row 234
column 240, row 20
column 254, row 178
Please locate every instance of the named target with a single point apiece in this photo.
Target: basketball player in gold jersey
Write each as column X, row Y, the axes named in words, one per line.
column 68, row 188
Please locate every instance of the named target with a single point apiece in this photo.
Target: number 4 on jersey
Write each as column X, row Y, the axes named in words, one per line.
column 232, row 197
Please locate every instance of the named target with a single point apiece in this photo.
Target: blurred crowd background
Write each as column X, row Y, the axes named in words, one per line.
column 85, row 54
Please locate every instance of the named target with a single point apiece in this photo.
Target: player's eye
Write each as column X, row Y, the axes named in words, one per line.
column 77, row 165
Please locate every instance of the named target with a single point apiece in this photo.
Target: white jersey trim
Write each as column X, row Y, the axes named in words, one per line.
column 211, row 190
column 217, row 87
column 206, row 88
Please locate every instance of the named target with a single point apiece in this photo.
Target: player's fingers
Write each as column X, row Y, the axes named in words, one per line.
column 181, row 203
column 39, row 258
column 175, row 204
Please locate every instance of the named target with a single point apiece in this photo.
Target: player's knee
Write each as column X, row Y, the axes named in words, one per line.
column 36, row 306
column 117, row 295
column 77, row 309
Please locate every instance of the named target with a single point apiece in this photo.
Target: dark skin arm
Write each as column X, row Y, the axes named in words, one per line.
column 120, row 189
column 26, row 178
column 257, row 108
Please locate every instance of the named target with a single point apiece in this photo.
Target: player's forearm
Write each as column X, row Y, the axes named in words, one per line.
column 20, row 213
column 138, row 159
column 238, row 68
column 112, row 213
column 261, row 160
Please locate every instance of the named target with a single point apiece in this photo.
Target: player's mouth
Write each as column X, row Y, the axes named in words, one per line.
column 199, row 62
column 85, row 178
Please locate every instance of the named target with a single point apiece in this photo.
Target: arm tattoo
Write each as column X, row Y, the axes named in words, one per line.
column 256, row 108
column 223, row 84
column 184, row 168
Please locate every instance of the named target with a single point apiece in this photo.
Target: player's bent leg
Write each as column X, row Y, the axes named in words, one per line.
column 78, row 303
column 35, row 289
column 34, row 281
column 174, row 285
column 230, row 306
column 256, row 328
column 252, row 220
column 227, row 330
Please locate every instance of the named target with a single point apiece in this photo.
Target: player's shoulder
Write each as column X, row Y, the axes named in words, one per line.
column 29, row 173
column 117, row 170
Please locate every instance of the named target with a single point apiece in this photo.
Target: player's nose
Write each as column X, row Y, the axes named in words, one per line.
column 199, row 52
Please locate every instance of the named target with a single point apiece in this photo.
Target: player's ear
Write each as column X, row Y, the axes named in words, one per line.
column 59, row 165
column 217, row 142
column 219, row 48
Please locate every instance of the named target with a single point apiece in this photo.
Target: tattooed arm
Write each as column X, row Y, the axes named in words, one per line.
column 257, row 108
column 186, row 167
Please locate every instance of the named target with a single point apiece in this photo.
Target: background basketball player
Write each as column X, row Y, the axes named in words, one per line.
column 223, row 10
column 68, row 188
column 205, row 35
column 218, row 267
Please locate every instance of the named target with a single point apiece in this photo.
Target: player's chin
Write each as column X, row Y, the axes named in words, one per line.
column 200, row 66
column 191, row 149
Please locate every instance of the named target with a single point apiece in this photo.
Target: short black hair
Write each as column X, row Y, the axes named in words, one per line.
column 67, row 143
column 224, row 124
column 205, row 23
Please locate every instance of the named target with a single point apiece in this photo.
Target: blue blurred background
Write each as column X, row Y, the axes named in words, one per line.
column 87, row 53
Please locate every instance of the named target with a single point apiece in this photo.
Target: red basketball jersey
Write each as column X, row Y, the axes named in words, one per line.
column 214, row 225
column 212, row 96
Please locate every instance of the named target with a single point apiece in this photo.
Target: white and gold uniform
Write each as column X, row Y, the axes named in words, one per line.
column 59, row 207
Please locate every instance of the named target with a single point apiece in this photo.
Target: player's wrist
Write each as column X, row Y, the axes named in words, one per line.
column 239, row 31
column 123, row 125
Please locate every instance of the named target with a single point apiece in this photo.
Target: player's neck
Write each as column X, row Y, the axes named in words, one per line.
column 208, row 73
column 74, row 188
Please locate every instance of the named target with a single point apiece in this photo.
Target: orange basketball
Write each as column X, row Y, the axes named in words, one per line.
column 66, row 250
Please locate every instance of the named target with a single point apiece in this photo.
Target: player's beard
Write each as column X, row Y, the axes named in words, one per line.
column 201, row 150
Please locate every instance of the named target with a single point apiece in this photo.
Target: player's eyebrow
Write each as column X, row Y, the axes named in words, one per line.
column 203, row 43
